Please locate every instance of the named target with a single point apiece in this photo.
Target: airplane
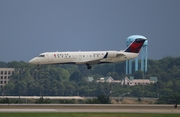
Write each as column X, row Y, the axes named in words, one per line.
column 91, row 57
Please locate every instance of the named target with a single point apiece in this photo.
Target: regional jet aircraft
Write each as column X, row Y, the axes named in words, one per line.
column 90, row 57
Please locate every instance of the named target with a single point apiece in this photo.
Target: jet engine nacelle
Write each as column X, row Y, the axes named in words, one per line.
column 112, row 54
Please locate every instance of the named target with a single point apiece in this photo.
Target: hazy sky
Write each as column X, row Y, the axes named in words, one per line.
column 30, row 27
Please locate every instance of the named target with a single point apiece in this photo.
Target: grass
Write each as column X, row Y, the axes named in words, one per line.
column 78, row 114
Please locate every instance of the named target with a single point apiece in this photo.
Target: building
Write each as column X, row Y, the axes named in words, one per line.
column 133, row 82
column 108, row 79
column 129, row 81
column 90, row 79
column 5, row 74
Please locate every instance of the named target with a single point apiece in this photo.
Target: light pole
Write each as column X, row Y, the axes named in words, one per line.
column 3, row 91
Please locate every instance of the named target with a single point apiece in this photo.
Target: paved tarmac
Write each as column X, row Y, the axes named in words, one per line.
column 89, row 108
column 45, row 97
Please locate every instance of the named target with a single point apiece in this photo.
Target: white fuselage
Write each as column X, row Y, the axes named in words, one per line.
column 91, row 57
column 82, row 57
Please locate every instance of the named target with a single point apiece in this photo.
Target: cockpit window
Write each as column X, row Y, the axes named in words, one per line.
column 41, row 56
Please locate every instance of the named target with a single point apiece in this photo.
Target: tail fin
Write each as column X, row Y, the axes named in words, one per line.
column 135, row 46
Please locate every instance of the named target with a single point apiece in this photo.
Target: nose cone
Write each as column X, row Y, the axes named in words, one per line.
column 33, row 61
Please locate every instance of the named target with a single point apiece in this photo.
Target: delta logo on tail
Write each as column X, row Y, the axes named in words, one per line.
column 135, row 47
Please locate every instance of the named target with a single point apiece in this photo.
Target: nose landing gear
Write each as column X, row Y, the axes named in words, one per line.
column 38, row 67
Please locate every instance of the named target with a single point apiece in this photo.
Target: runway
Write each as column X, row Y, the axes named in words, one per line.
column 89, row 108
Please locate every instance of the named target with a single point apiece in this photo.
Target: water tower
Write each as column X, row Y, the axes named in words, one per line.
column 143, row 54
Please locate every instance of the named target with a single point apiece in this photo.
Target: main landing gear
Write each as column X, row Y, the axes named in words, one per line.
column 89, row 67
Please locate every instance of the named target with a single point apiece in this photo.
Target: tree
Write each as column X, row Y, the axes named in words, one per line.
column 103, row 99
column 138, row 74
column 76, row 76
column 8, row 89
column 41, row 100
column 21, row 88
column 34, row 89
column 5, row 101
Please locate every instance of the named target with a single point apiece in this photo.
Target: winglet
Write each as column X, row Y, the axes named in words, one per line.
column 135, row 46
column 105, row 55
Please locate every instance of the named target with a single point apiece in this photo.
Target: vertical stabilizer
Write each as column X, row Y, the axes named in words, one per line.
column 136, row 45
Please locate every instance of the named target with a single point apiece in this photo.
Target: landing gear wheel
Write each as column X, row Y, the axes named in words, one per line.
column 89, row 67
column 38, row 67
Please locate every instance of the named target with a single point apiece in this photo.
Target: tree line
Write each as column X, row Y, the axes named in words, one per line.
column 71, row 80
